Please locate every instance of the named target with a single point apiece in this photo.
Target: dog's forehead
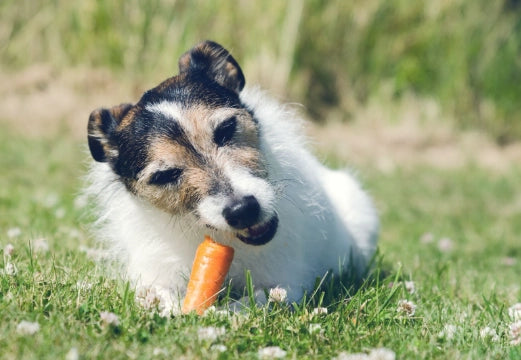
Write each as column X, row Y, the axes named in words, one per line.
column 180, row 98
column 183, row 109
column 195, row 120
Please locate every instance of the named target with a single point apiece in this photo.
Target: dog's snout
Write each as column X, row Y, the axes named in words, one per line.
column 242, row 213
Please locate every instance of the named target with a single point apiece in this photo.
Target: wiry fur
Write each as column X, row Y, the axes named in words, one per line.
column 326, row 220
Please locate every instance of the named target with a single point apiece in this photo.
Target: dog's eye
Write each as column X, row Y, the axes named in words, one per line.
column 225, row 131
column 163, row 177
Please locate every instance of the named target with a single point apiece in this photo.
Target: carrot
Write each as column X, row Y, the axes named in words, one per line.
column 211, row 264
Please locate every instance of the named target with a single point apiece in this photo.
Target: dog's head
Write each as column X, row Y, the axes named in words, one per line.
column 190, row 146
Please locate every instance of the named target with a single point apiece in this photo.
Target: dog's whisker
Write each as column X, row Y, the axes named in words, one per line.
column 186, row 227
column 292, row 202
column 288, row 180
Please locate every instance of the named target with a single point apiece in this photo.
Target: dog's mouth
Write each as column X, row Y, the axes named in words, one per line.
column 260, row 234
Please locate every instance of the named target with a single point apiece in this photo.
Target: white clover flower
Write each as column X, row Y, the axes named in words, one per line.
column 271, row 352
column 38, row 277
column 381, row 354
column 27, row 328
column 410, row 287
column 109, row 318
column 515, row 333
column 14, row 232
column 10, row 269
column 81, row 201
column 319, row 311
column 141, row 292
column 374, row 354
column 427, row 238
column 445, row 244
column 148, row 298
column 158, row 298
column 508, row 261
column 41, row 245
column 515, row 311
column 222, row 313
column 354, row 356
column 448, row 332
column 210, row 333
column 212, row 310
column 51, row 200
column 74, row 233
column 277, row 295
column 84, row 285
column 218, row 348
column 59, row 213
column 72, row 354
column 9, row 250
column 8, row 297
column 159, row 351
column 315, row 328
column 487, row 333
column 406, row 307
column 237, row 319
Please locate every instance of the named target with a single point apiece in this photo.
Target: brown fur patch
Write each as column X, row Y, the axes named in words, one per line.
column 170, row 82
column 127, row 119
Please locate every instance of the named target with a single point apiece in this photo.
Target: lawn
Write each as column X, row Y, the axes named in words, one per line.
column 449, row 246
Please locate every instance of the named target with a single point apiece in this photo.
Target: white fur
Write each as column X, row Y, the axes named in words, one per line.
column 168, row 109
column 210, row 209
column 326, row 220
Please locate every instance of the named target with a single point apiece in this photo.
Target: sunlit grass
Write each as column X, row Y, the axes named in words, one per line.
column 453, row 234
column 449, row 259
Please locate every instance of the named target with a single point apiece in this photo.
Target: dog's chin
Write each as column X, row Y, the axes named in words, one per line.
column 260, row 234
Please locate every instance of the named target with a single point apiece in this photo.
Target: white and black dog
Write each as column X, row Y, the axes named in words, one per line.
column 200, row 154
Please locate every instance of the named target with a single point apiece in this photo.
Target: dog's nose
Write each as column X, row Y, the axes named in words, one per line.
column 242, row 213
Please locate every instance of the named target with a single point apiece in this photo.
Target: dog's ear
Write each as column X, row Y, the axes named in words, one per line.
column 100, row 130
column 215, row 62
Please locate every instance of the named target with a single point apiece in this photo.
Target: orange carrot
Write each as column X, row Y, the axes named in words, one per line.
column 211, row 264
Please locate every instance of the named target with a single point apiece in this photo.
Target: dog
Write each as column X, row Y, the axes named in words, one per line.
column 201, row 154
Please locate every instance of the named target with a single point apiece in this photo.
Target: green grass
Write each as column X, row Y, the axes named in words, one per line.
column 330, row 55
column 469, row 286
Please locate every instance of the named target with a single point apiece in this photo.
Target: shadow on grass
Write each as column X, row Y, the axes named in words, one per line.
column 332, row 290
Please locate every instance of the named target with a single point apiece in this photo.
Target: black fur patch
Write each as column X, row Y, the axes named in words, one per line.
column 107, row 122
column 96, row 149
column 163, row 177
column 225, row 131
column 189, row 90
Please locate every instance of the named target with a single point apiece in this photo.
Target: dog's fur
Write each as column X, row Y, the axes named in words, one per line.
column 197, row 155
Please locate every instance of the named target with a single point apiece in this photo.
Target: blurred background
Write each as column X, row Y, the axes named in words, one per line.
column 401, row 75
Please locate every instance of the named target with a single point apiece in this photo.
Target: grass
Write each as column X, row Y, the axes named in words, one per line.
column 469, row 286
column 333, row 56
